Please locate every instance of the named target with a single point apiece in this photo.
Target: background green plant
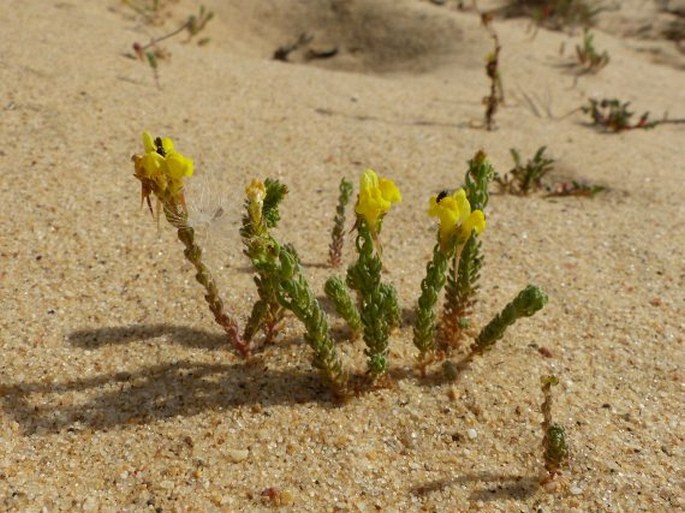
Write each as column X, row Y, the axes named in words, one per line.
column 524, row 179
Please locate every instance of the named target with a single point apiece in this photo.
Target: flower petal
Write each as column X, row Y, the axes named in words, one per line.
column 148, row 142
column 389, row 191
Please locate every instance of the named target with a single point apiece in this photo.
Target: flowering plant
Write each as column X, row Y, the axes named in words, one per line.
column 376, row 310
column 362, row 298
column 457, row 223
column 161, row 171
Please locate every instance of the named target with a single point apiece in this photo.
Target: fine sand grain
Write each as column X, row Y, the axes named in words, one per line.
column 119, row 393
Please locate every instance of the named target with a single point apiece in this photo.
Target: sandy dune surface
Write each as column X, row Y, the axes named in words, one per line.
column 118, row 392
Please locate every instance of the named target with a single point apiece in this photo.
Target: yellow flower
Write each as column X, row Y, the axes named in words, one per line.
column 376, row 196
column 455, row 217
column 162, row 164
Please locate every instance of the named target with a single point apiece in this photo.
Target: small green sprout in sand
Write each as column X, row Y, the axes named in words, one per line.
column 588, row 58
column 554, row 445
column 377, row 309
column 338, row 233
column 464, row 273
column 460, row 225
column 524, row 179
column 161, row 171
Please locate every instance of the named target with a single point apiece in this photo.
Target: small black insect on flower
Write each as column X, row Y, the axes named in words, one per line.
column 160, row 146
column 442, row 195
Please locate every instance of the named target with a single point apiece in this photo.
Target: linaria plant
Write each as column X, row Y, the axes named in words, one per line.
column 554, row 446
column 459, row 226
column 362, row 298
column 280, row 281
column 161, row 171
column 262, row 215
column 462, row 279
column 529, row 301
column 525, row 304
column 376, row 310
column 456, row 222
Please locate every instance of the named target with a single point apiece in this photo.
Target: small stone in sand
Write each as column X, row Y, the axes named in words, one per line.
column 237, row 455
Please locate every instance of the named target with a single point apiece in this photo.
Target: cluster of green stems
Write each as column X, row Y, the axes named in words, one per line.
column 369, row 305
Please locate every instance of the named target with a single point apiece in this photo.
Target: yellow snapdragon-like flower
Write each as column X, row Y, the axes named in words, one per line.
column 376, row 196
column 455, row 217
column 162, row 164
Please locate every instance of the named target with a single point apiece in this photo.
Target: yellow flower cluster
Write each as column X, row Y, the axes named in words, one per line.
column 162, row 166
column 455, row 217
column 376, row 196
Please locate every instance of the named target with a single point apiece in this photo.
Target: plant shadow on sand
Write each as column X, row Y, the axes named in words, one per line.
column 117, row 335
column 156, row 392
column 499, row 487
column 189, row 337
column 180, row 388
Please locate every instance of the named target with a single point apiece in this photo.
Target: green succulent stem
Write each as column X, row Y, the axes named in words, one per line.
column 267, row 313
column 432, row 284
column 555, row 448
column 177, row 216
column 338, row 293
column 478, row 176
column 394, row 314
column 295, row 294
column 280, row 281
column 378, row 307
column 338, row 232
column 526, row 303
column 460, row 290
